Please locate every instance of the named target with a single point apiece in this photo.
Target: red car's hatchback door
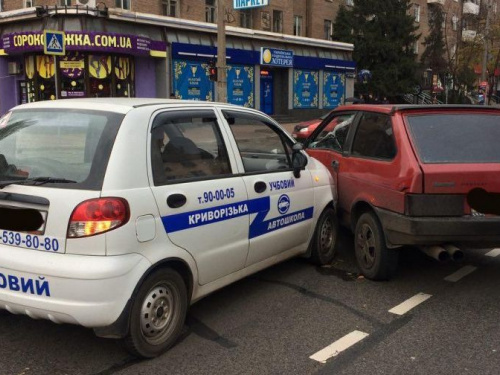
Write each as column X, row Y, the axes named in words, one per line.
column 459, row 154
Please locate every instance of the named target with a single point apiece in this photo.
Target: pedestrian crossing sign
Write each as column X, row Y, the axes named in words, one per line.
column 54, row 43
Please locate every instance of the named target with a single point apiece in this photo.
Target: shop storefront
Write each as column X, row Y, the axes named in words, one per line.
column 191, row 76
column 93, row 64
column 127, row 54
column 273, row 80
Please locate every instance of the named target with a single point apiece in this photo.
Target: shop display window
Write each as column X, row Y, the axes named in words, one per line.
column 29, row 64
column 79, row 75
column 100, row 76
column 124, row 76
column 45, row 81
column 72, row 69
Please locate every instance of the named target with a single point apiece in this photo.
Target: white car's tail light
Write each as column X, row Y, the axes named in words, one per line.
column 97, row 216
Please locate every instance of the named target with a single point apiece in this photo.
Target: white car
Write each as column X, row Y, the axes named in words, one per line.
column 117, row 214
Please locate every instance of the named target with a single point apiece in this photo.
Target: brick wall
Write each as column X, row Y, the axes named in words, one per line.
column 319, row 11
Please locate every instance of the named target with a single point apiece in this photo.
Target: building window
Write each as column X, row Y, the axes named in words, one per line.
column 443, row 24
column 170, row 8
column 124, row 4
column 297, row 26
column 29, row 3
column 454, row 22
column 328, row 30
column 211, row 11
column 416, row 12
column 246, row 18
column 265, row 20
column 349, row 3
column 415, row 47
column 66, row 3
column 277, row 21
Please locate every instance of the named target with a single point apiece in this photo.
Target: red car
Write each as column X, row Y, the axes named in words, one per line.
column 413, row 175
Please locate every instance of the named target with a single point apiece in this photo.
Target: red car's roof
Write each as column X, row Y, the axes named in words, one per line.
column 391, row 108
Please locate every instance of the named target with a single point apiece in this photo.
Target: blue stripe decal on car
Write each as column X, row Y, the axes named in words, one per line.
column 259, row 226
column 193, row 219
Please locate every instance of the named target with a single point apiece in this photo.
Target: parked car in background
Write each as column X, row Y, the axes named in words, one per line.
column 304, row 129
column 117, row 214
column 313, row 125
column 413, row 175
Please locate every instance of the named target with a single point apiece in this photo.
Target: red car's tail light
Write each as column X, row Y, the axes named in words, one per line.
column 97, row 216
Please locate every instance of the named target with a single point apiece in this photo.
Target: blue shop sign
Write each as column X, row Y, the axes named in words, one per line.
column 276, row 57
column 333, row 89
column 247, row 4
column 192, row 80
column 305, row 88
column 240, row 85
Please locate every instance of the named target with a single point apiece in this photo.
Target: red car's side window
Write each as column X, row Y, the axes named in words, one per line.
column 374, row 137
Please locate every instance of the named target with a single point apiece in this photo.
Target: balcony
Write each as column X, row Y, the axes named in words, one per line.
column 438, row 2
column 471, row 8
column 471, row 36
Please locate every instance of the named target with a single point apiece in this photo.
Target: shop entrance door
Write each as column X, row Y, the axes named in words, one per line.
column 267, row 92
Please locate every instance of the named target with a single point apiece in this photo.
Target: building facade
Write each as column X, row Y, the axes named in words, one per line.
column 276, row 62
column 280, row 58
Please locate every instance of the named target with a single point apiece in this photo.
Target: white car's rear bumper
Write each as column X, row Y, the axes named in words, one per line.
column 87, row 290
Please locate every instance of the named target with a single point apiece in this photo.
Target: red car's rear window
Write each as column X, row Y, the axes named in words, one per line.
column 456, row 138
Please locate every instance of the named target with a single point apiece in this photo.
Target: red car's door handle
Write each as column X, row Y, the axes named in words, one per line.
column 335, row 165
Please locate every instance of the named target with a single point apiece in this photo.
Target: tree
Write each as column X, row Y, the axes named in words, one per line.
column 383, row 34
column 433, row 56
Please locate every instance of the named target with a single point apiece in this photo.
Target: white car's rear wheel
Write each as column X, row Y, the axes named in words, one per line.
column 158, row 314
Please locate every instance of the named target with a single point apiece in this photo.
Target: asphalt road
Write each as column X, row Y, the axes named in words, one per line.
column 274, row 321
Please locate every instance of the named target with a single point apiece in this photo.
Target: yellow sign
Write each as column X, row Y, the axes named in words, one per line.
column 45, row 66
column 99, row 66
column 30, row 66
column 122, row 67
column 78, row 64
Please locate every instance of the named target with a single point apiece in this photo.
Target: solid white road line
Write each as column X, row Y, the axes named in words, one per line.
column 493, row 253
column 339, row 346
column 461, row 273
column 410, row 303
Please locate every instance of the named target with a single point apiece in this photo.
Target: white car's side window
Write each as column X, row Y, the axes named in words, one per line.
column 187, row 145
column 262, row 148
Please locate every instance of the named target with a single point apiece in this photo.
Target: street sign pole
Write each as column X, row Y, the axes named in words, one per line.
column 221, row 53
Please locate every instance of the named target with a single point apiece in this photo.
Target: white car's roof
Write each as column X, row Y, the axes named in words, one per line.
column 119, row 105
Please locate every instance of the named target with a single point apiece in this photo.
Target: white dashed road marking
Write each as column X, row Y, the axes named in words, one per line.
column 461, row 273
column 410, row 303
column 493, row 253
column 339, row 346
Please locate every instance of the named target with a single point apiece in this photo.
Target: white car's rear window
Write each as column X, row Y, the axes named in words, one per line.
column 71, row 146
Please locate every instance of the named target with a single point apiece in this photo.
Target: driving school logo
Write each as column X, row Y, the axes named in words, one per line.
column 283, row 204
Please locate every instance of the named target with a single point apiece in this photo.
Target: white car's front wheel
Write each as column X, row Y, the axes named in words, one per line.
column 324, row 241
column 158, row 314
